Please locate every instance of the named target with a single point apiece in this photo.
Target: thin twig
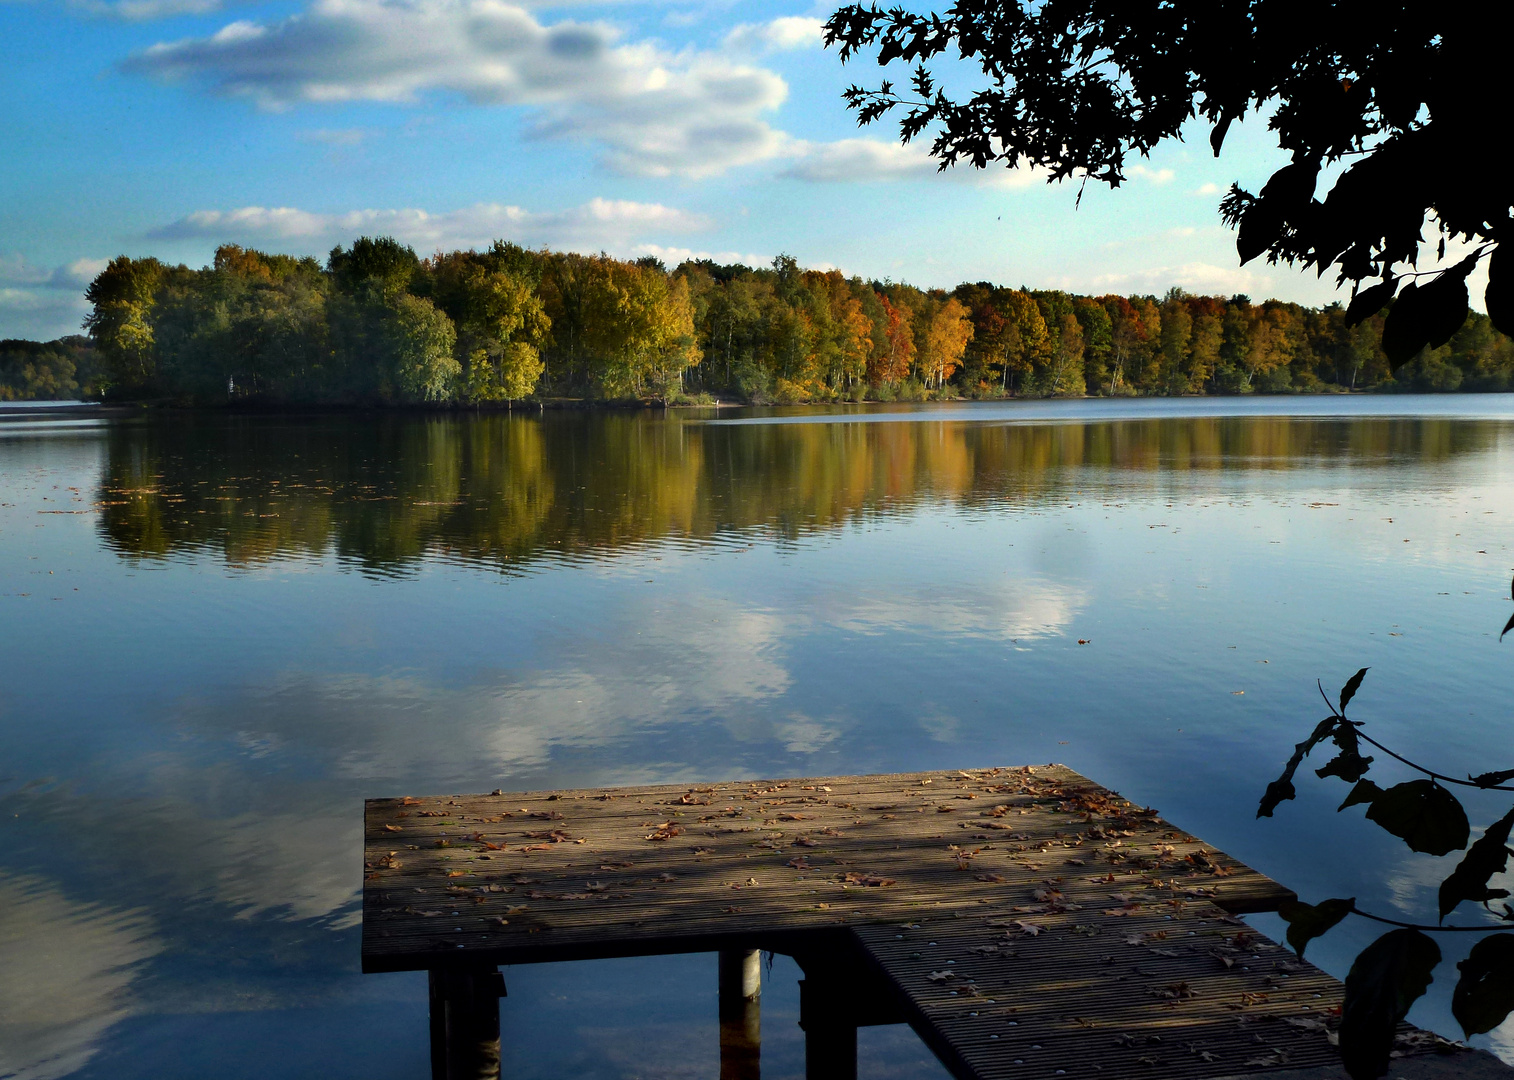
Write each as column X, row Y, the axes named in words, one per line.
column 1431, row 772
column 1424, row 926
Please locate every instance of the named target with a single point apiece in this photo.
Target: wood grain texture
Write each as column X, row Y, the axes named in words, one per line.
column 1024, row 920
column 523, row 877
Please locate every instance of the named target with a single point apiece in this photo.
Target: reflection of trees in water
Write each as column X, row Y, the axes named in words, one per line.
column 385, row 491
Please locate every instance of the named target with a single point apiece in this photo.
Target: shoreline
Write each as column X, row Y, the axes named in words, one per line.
column 14, row 412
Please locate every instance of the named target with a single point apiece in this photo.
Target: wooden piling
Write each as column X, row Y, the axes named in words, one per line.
column 740, row 1014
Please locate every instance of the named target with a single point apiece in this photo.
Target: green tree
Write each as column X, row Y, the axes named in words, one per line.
column 1176, row 336
column 418, row 342
column 500, row 321
column 122, row 297
column 1064, row 369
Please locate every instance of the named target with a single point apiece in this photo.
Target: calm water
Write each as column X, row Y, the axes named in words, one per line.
column 220, row 635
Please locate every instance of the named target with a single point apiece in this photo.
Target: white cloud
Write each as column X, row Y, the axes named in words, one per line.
column 80, row 272
column 144, row 10
column 598, row 223
column 655, row 112
column 787, row 32
column 869, row 160
column 672, row 256
column 1195, row 277
column 42, row 304
column 1156, row 176
column 1209, row 188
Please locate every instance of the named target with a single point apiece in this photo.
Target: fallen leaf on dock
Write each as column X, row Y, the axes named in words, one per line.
column 557, row 836
column 869, row 880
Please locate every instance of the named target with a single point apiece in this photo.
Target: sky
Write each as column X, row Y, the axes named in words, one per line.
column 677, row 128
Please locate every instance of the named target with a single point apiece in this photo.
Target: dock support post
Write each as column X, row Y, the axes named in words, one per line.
column 830, row 1030
column 465, row 1023
column 740, row 1014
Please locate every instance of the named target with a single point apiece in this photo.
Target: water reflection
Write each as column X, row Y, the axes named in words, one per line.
column 67, row 971
column 196, row 692
column 385, row 492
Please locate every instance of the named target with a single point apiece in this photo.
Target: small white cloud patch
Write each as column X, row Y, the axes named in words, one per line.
column 41, row 304
column 874, row 160
column 787, row 32
column 1155, row 176
column 144, row 10
column 598, row 223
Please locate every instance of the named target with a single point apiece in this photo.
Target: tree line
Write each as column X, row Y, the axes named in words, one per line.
column 384, row 492
column 378, row 324
column 59, row 370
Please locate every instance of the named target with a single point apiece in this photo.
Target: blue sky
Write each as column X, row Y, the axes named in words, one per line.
column 166, row 127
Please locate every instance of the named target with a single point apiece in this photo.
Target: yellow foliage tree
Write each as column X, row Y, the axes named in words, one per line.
column 946, row 339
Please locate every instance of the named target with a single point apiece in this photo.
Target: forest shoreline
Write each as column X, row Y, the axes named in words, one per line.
column 40, row 410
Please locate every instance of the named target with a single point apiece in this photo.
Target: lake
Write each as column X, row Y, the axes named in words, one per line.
column 222, row 633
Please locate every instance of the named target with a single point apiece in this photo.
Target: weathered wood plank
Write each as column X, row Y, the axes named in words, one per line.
column 1026, row 922
column 1188, row 993
column 537, row 876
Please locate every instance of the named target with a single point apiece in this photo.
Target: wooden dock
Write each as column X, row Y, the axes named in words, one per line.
column 1025, row 921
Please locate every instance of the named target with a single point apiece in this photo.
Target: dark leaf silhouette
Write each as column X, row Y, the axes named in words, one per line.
column 1427, row 315
column 1492, row 779
column 1365, row 791
column 1281, row 789
column 1423, row 815
column 1507, row 627
column 1349, row 764
column 1308, row 921
column 1387, row 978
column 1370, row 301
column 1217, row 136
column 1485, row 993
column 1488, row 856
column 1261, row 226
column 1499, row 296
column 1353, row 684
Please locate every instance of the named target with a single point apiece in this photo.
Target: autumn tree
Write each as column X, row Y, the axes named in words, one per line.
column 1064, row 367
column 946, row 340
column 1027, row 343
column 898, row 345
column 1176, row 336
